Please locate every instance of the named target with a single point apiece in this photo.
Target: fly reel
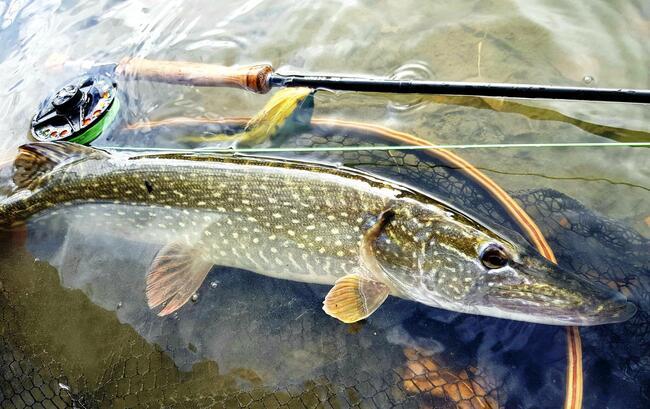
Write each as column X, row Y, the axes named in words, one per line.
column 78, row 112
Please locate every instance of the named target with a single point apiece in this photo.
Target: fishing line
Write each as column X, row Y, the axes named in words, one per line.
column 388, row 148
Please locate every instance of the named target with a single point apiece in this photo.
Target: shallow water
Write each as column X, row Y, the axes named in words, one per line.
column 72, row 302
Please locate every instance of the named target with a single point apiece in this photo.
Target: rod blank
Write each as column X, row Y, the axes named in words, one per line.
column 463, row 88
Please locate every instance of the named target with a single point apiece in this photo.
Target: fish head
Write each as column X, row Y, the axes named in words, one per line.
column 516, row 282
column 448, row 260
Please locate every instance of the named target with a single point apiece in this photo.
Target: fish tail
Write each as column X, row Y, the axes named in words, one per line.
column 36, row 160
column 30, row 170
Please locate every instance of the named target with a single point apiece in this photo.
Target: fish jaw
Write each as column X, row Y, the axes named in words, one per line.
column 627, row 311
column 542, row 292
column 568, row 300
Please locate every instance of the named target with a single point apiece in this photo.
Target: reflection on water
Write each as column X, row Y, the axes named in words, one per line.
column 72, row 295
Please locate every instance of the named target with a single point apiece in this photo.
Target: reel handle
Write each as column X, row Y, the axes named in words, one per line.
column 253, row 78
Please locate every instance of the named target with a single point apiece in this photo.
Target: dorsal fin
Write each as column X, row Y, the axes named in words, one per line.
column 37, row 159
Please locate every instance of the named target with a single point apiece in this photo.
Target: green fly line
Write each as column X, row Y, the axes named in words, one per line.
column 389, row 147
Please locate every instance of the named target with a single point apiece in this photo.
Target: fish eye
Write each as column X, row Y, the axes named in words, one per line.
column 493, row 256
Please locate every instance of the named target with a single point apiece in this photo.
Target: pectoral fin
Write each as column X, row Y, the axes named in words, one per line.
column 354, row 298
column 174, row 276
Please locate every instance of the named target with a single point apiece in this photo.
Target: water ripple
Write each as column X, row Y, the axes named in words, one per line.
column 412, row 70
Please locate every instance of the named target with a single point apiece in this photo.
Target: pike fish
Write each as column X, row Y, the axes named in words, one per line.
column 366, row 237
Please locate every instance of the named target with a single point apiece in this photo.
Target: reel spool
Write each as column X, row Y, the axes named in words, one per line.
column 78, row 112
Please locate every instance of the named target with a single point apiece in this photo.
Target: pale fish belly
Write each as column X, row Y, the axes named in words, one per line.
column 224, row 238
column 251, row 247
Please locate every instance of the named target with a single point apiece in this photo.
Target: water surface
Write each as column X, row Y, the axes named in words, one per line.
column 73, row 312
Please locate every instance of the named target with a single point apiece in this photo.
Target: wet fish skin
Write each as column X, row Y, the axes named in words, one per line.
column 312, row 223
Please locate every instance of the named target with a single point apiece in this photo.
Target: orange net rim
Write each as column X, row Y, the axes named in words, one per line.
column 574, row 373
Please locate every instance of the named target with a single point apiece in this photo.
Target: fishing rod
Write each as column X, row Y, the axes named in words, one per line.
column 261, row 78
column 86, row 106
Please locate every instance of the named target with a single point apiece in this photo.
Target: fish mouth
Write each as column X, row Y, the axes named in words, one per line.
column 552, row 305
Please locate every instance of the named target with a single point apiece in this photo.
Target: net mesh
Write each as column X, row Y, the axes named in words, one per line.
column 81, row 336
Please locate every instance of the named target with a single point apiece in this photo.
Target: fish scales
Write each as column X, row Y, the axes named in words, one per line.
column 309, row 222
column 274, row 211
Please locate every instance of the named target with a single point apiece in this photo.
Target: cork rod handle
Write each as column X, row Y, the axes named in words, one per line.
column 249, row 77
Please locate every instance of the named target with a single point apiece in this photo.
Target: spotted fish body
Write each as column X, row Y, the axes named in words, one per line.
column 368, row 237
column 279, row 219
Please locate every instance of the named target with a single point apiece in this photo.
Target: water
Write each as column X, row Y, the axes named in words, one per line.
column 77, row 316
